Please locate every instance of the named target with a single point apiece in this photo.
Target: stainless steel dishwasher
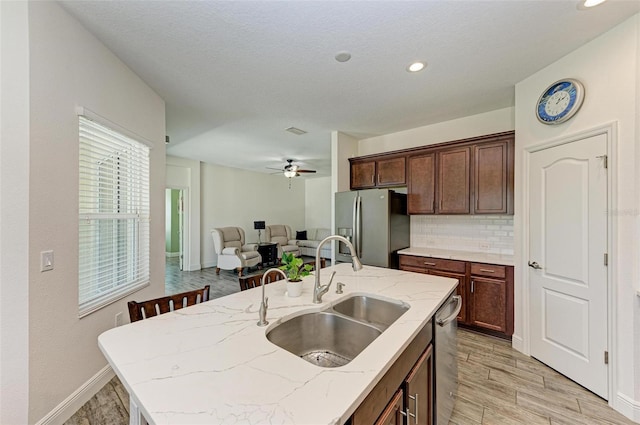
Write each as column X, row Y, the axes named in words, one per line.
column 446, row 350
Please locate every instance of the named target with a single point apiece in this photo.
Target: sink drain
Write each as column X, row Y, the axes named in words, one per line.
column 325, row 358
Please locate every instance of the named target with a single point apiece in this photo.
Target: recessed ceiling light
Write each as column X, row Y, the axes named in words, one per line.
column 416, row 67
column 592, row 3
column 343, row 56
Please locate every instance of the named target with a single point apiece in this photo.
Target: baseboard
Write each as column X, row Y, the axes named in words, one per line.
column 63, row 411
column 171, row 254
column 204, row 266
column 627, row 406
column 517, row 343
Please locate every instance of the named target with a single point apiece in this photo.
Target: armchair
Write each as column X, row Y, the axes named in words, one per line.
column 231, row 249
column 281, row 235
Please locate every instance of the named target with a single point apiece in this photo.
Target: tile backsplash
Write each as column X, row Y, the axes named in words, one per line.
column 492, row 234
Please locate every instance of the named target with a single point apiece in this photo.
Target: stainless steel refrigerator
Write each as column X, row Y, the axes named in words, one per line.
column 376, row 223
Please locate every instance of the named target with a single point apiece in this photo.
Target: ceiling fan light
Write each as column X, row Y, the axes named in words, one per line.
column 593, row 3
column 289, row 173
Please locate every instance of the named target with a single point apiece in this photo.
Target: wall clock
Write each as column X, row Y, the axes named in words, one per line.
column 560, row 101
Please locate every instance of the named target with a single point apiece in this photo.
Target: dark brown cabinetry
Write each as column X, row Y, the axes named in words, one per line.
column 421, row 191
column 454, row 181
column 382, row 171
column 486, row 290
column 418, row 392
column 392, row 415
column 493, row 178
column 407, row 385
column 470, row 176
column 491, row 297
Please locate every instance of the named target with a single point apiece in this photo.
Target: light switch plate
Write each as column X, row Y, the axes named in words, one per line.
column 46, row 261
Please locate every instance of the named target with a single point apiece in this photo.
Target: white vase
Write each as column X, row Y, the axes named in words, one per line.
column 294, row 289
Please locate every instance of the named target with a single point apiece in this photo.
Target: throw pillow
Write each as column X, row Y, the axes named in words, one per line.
column 301, row 235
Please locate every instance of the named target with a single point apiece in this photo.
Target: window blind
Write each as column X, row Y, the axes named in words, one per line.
column 113, row 216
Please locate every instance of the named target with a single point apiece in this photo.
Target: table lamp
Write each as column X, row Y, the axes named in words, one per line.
column 259, row 225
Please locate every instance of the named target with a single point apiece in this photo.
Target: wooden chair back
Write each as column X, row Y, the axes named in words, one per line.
column 155, row 307
column 248, row 282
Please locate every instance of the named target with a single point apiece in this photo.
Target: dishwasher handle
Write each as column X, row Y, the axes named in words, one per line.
column 454, row 315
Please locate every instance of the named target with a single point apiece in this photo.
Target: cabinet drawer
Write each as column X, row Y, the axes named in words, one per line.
column 433, row 263
column 489, row 270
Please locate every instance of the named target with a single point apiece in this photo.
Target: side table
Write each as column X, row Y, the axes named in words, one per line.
column 269, row 253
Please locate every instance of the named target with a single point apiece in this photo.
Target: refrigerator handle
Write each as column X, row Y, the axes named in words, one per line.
column 359, row 228
column 354, row 212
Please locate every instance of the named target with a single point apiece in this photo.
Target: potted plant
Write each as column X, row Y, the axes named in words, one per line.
column 295, row 269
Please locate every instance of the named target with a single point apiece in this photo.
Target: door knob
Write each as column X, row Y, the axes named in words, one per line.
column 535, row 265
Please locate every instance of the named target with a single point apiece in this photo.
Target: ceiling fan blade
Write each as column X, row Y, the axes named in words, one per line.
column 271, row 168
column 306, row 171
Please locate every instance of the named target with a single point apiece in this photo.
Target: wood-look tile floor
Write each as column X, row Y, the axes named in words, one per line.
column 497, row 385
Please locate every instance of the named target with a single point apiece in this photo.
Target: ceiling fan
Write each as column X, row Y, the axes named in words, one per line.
column 291, row 170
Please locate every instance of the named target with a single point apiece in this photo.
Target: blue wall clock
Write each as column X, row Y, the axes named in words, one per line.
column 560, row 101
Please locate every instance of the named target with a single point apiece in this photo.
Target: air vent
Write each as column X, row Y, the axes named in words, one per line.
column 295, row 131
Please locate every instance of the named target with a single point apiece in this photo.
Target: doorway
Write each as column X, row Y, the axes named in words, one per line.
column 567, row 273
column 174, row 226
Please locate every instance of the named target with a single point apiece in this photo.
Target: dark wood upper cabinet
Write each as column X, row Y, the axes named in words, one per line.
column 421, row 191
column 454, row 177
column 469, row 176
column 493, row 178
column 363, row 175
column 383, row 171
column 391, row 172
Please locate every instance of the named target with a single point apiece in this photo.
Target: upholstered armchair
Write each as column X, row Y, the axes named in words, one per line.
column 281, row 235
column 231, row 249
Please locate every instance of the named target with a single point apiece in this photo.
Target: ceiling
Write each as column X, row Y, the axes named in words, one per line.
column 235, row 74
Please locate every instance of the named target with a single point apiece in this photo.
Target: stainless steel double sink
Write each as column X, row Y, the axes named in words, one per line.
column 335, row 336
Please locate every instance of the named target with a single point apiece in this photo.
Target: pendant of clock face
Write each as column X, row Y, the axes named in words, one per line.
column 560, row 101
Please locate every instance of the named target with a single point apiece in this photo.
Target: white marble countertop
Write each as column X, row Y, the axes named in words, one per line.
column 211, row 363
column 449, row 254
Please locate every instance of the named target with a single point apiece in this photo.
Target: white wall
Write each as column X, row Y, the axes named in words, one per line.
column 69, row 68
column 14, row 213
column 608, row 68
column 185, row 174
column 234, row 197
column 476, row 125
column 317, row 203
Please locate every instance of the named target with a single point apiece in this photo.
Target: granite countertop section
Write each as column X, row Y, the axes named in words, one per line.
column 211, row 363
column 449, row 254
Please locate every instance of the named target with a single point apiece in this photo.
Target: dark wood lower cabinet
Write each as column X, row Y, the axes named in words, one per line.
column 486, row 290
column 418, row 398
column 392, row 415
column 412, row 374
column 488, row 304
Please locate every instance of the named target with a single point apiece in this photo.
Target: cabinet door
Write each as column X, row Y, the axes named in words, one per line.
column 488, row 301
column 391, row 172
column 363, row 175
column 422, row 184
column 492, row 185
column 454, row 181
column 419, row 391
column 392, row 414
column 460, row 290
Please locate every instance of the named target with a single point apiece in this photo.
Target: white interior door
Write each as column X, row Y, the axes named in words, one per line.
column 567, row 271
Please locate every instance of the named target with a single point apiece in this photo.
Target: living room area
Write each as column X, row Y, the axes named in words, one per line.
column 214, row 196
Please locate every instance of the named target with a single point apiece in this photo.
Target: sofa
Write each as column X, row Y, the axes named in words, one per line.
column 313, row 238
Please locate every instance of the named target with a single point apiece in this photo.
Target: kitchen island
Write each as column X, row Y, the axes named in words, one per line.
column 211, row 363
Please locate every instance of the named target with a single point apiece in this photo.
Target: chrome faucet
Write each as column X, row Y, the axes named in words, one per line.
column 320, row 290
column 264, row 305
